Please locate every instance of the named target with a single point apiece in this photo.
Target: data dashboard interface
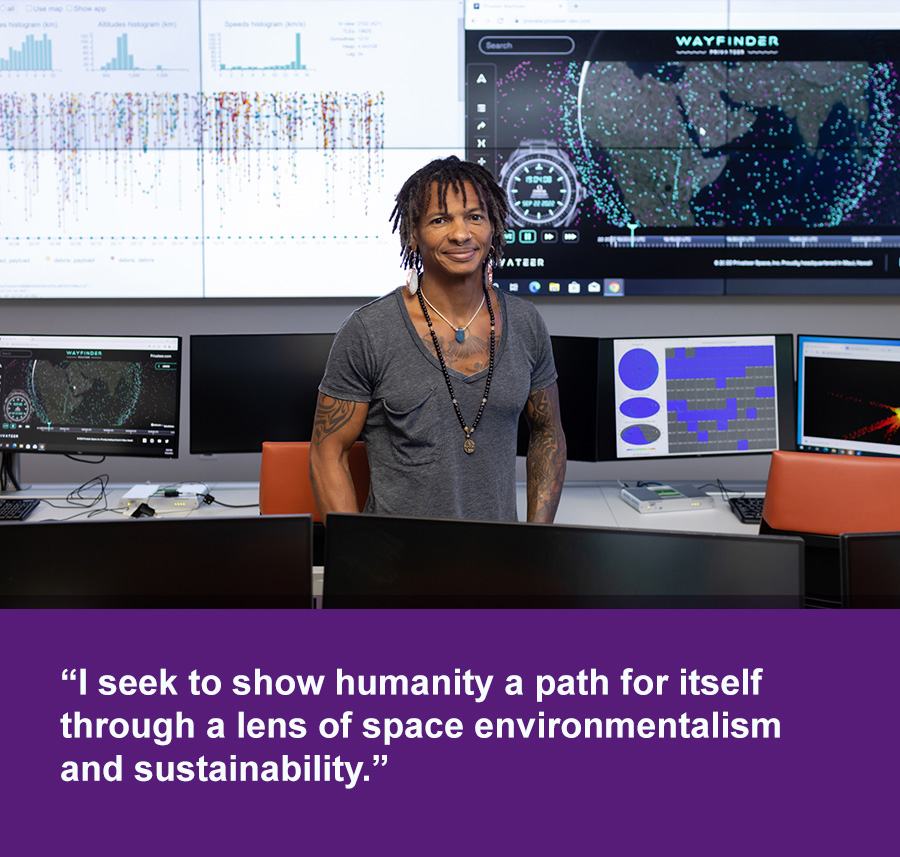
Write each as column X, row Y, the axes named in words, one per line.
column 218, row 148
column 700, row 395
column 99, row 395
column 679, row 148
column 232, row 149
column 848, row 395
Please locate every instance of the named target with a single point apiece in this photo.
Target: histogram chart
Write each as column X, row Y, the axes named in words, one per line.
column 122, row 59
column 191, row 148
column 34, row 55
column 218, row 64
column 696, row 397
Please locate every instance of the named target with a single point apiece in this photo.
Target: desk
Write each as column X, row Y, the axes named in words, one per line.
column 593, row 504
column 598, row 504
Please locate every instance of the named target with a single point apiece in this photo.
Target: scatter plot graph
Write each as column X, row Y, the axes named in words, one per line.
column 641, row 434
column 886, row 427
column 638, row 369
column 721, row 399
column 640, row 407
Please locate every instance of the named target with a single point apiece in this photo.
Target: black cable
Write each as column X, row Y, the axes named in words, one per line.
column 84, row 460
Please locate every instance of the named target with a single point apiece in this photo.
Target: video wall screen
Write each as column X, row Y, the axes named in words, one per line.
column 225, row 149
column 749, row 154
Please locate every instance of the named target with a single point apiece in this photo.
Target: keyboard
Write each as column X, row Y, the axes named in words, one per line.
column 17, row 508
column 748, row 509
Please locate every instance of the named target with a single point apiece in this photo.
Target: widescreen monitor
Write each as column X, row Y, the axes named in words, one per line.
column 250, row 388
column 675, row 396
column 233, row 149
column 377, row 561
column 258, row 561
column 90, row 395
column 708, row 148
column 848, row 392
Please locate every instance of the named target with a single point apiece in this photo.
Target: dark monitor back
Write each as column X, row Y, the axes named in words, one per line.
column 576, row 364
column 870, row 567
column 263, row 561
column 375, row 561
column 248, row 388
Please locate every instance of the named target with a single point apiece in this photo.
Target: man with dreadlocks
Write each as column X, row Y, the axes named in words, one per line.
column 434, row 375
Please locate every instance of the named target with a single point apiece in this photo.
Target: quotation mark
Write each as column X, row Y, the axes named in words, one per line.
column 70, row 675
column 379, row 760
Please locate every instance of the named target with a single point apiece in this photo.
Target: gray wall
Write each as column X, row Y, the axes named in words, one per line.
column 872, row 316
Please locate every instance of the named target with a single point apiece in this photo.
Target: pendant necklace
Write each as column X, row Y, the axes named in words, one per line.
column 460, row 331
column 469, row 444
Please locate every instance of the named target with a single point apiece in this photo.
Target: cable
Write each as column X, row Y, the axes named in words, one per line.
column 81, row 459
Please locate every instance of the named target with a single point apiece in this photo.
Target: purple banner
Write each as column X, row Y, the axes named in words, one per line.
column 448, row 732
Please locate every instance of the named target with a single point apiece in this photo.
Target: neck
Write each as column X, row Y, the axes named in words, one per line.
column 457, row 295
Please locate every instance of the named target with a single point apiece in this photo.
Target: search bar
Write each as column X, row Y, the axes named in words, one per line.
column 526, row 45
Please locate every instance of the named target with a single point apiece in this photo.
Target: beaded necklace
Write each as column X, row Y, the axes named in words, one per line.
column 469, row 444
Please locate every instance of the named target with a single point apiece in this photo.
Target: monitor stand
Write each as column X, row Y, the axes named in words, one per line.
column 10, row 469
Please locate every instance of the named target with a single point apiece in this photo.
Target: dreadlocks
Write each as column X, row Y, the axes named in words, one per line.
column 447, row 173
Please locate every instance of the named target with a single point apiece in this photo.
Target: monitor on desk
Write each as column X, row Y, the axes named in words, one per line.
column 259, row 561
column 576, row 360
column 94, row 395
column 250, row 388
column 381, row 561
column 676, row 396
column 848, row 391
column 870, row 569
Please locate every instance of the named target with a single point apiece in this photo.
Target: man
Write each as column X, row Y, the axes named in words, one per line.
column 433, row 376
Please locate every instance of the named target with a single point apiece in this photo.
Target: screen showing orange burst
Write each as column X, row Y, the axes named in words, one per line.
column 849, row 395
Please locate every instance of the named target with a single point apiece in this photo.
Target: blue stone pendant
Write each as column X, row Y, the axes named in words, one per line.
column 460, row 334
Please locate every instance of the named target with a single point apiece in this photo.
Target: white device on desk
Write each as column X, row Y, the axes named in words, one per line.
column 674, row 497
column 161, row 499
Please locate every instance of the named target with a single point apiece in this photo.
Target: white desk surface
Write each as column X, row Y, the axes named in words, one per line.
column 592, row 504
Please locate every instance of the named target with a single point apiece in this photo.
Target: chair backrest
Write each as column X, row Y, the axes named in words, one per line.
column 284, row 486
column 832, row 494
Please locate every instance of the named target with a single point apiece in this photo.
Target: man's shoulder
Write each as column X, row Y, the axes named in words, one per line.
column 521, row 312
column 373, row 315
column 378, row 307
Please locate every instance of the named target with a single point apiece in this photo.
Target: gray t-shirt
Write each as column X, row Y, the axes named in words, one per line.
column 413, row 437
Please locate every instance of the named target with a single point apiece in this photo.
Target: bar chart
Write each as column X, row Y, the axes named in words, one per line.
column 34, row 55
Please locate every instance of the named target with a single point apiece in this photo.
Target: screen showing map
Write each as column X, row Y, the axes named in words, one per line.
column 97, row 395
column 701, row 158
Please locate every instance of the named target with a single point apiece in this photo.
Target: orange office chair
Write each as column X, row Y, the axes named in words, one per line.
column 284, row 486
column 819, row 496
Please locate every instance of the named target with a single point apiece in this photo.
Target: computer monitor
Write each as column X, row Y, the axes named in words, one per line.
column 674, row 396
column 576, row 359
column 259, row 561
column 249, row 388
column 382, row 561
column 848, row 392
column 870, row 569
column 94, row 395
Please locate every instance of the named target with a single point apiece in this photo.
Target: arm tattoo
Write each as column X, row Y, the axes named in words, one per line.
column 546, row 461
column 331, row 415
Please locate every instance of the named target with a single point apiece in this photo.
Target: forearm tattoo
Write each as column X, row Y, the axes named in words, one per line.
column 331, row 415
column 546, row 461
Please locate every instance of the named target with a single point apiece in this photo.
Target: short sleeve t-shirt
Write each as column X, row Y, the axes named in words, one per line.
column 413, row 437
